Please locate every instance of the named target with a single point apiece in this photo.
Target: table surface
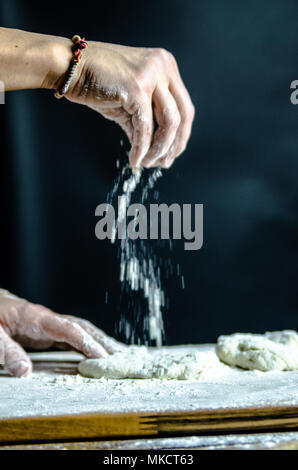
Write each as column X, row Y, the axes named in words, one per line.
column 55, row 389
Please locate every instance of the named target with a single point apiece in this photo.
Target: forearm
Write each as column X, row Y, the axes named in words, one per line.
column 31, row 60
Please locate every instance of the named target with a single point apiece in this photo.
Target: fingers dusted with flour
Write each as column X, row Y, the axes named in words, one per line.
column 23, row 324
column 108, row 343
column 168, row 119
column 142, row 122
column 137, row 88
column 58, row 329
column 187, row 112
column 14, row 358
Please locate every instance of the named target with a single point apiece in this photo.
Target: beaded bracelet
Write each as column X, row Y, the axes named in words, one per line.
column 79, row 45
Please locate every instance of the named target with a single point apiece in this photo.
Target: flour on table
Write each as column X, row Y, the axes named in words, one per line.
column 140, row 363
column 276, row 350
column 52, row 391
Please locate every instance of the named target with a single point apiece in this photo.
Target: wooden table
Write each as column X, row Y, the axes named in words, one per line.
column 264, row 409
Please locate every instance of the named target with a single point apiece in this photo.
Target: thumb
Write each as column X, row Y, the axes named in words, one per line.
column 15, row 360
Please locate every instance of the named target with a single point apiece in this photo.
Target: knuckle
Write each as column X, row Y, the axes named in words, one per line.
column 12, row 311
column 142, row 80
column 173, row 121
column 188, row 112
column 160, row 53
column 172, row 118
column 140, row 96
column 66, row 323
column 171, row 58
column 137, row 86
column 191, row 111
column 82, row 321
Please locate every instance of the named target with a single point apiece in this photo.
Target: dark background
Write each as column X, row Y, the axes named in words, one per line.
column 237, row 59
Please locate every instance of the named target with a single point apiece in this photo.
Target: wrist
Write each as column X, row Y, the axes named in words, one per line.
column 59, row 53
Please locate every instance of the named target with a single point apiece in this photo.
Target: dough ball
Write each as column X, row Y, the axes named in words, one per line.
column 276, row 350
column 140, row 363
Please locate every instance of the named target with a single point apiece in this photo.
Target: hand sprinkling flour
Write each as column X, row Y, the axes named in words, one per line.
column 141, row 90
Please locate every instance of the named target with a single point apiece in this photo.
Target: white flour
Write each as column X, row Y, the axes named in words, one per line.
column 138, row 270
column 52, row 393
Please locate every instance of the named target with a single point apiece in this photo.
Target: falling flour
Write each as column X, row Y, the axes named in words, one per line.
column 139, row 271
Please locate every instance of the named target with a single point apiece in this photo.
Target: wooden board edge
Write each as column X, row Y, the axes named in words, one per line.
column 85, row 426
column 116, row 425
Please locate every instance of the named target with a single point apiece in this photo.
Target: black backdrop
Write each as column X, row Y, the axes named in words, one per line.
column 238, row 59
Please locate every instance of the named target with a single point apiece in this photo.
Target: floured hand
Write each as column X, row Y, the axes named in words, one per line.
column 137, row 87
column 23, row 324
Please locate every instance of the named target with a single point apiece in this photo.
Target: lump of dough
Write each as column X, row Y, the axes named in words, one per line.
column 277, row 350
column 138, row 362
